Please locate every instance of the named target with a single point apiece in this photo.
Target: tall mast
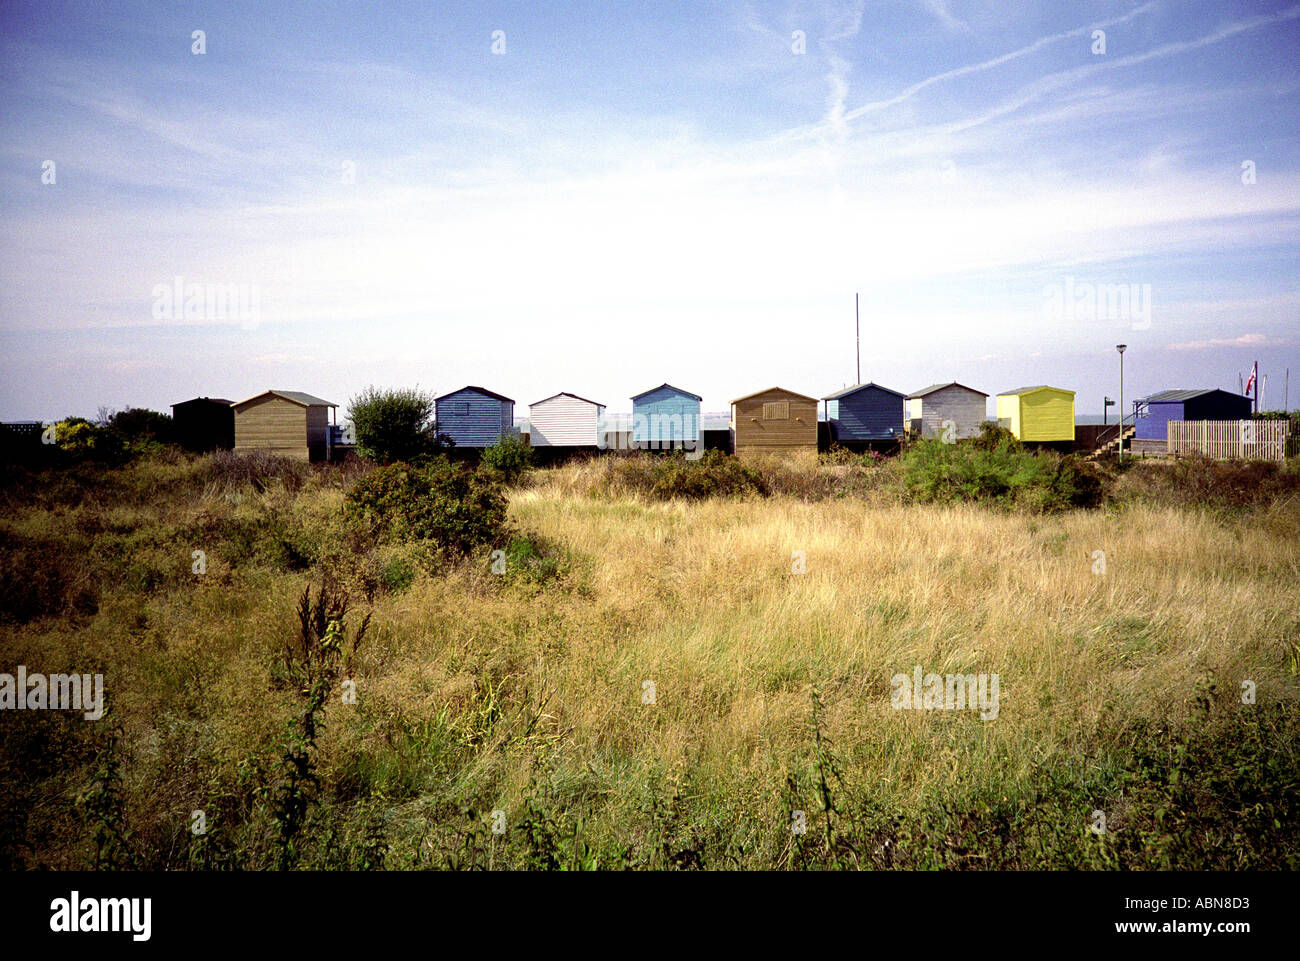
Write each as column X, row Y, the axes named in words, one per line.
column 857, row 325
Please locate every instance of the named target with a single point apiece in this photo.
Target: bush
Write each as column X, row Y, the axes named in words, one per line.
column 398, row 575
column 510, row 456
column 140, row 427
column 116, row 438
column 995, row 468
column 455, row 509
column 271, row 538
column 79, row 439
column 1072, row 483
column 805, row 478
column 231, row 472
column 669, row 476
column 716, row 474
column 531, row 560
column 993, row 437
column 840, row 456
column 394, row 425
column 1293, row 434
column 1196, row 480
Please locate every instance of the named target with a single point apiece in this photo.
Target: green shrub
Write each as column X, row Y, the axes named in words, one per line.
column 454, row 508
column 994, row 468
column 1293, row 433
column 117, row 438
column 1196, row 480
column 993, row 437
column 510, row 456
column 141, row 428
column 398, row 574
column 530, row 560
column 79, row 439
column 669, row 476
column 102, row 810
column 1222, row 794
column 394, row 425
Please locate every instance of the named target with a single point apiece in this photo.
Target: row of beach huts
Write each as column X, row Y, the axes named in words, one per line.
column 775, row 420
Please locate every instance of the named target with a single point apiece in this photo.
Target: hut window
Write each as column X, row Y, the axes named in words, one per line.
column 464, row 409
column 776, row 410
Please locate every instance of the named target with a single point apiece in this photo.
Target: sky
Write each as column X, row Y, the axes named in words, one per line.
column 599, row 197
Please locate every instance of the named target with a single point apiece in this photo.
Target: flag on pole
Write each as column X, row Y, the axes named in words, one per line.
column 1251, row 381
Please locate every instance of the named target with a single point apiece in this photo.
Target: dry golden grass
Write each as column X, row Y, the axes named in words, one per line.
column 518, row 683
column 700, row 599
column 705, row 605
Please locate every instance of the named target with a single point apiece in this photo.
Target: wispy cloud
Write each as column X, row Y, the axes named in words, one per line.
column 940, row 9
column 1067, row 79
column 511, row 214
column 845, row 26
column 908, row 92
column 1219, row 343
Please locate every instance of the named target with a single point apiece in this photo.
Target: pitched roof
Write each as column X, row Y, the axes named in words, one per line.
column 210, row 400
column 857, row 387
column 1030, row 390
column 1187, row 394
column 481, row 390
column 565, row 393
column 670, row 387
column 296, row 396
column 783, row 390
column 933, row 387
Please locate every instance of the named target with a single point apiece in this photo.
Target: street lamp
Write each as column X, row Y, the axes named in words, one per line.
column 1121, row 348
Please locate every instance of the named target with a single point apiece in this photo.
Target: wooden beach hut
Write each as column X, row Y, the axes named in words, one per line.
column 1038, row 413
column 475, row 416
column 864, row 413
column 565, row 420
column 930, row 408
column 666, row 417
column 773, row 421
column 286, row 422
column 204, row 423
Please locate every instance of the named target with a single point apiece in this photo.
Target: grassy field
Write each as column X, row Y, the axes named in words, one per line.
column 653, row 684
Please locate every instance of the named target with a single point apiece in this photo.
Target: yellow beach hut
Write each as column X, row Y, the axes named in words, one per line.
column 1039, row 413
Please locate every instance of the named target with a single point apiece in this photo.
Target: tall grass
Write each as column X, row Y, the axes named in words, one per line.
column 652, row 685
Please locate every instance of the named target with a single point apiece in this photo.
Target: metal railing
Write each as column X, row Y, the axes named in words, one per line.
column 1110, row 432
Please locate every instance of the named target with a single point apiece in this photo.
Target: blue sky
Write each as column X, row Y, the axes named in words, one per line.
column 634, row 193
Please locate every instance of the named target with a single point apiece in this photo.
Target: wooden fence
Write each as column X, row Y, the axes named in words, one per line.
column 1247, row 439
